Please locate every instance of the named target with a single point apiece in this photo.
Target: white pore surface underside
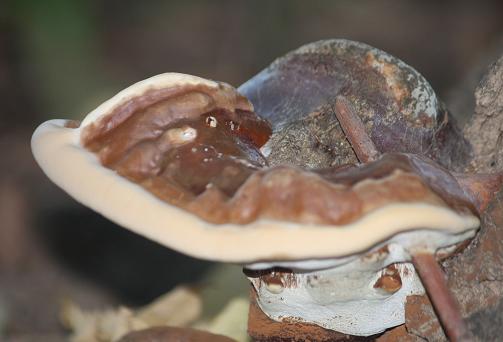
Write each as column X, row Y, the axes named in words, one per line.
column 339, row 294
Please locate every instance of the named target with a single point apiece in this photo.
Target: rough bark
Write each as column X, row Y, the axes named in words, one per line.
column 485, row 130
column 475, row 276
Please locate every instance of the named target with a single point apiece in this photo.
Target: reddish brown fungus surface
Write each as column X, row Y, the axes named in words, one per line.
column 200, row 151
column 199, row 147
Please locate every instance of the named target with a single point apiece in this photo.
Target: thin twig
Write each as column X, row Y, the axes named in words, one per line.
column 446, row 306
column 354, row 130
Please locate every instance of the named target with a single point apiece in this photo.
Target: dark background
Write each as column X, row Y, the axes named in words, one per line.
column 60, row 59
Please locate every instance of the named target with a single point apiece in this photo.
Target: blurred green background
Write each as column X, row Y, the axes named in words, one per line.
column 60, row 59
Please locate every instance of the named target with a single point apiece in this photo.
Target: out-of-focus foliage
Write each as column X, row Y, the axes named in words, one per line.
column 64, row 57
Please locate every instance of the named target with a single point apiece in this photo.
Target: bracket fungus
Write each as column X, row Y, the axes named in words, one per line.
column 191, row 164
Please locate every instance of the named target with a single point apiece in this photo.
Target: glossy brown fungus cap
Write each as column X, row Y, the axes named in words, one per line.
column 177, row 158
column 178, row 142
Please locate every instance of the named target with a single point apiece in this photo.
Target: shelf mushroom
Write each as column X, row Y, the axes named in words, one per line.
column 178, row 159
